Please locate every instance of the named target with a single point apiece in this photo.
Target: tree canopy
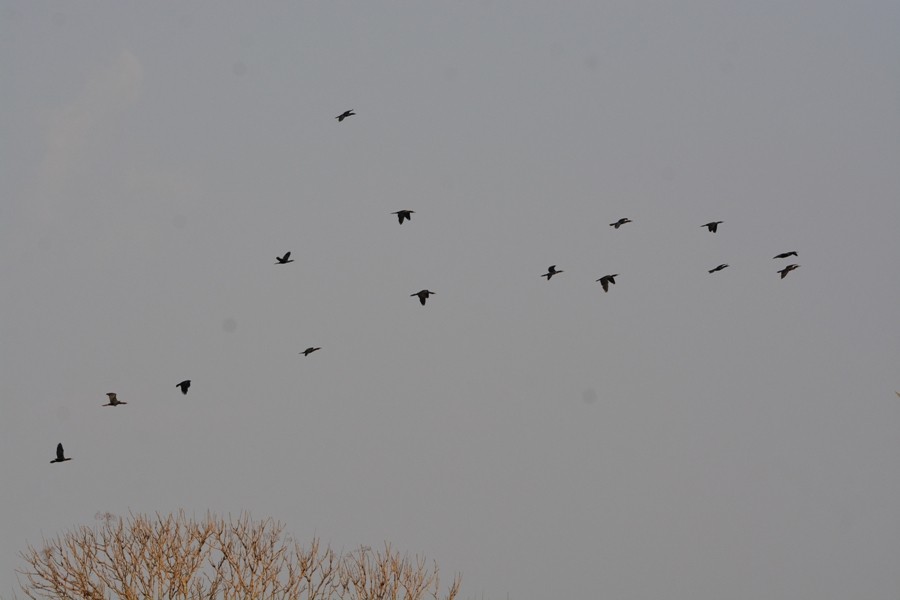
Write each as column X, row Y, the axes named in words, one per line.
column 177, row 557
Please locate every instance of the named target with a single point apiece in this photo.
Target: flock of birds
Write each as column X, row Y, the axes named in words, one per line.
column 113, row 400
column 423, row 295
column 712, row 226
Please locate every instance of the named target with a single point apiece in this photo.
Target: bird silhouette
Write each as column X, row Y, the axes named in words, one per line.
column 551, row 271
column 785, row 254
column 113, row 400
column 787, row 270
column 403, row 214
column 344, row 115
column 423, row 295
column 608, row 279
column 620, row 222
column 309, row 351
column 184, row 385
column 713, row 226
column 283, row 260
column 719, row 268
column 60, row 456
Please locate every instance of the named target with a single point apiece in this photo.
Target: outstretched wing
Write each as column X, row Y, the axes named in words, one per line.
column 60, row 455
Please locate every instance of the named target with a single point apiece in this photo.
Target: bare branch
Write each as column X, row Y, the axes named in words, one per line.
column 178, row 558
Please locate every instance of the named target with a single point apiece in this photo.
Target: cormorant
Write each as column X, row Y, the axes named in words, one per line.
column 184, row 385
column 719, row 268
column 113, row 401
column 551, row 271
column 423, row 295
column 712, row 225
column 344, row 115
column 60, row 457
column 786, row 254
column 403, row 214
column 787, row 270
column 608, row 279
column 309, row 351
column 620, row 222
column 283, row 260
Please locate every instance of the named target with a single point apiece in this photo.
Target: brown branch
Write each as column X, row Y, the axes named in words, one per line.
column 179, row 558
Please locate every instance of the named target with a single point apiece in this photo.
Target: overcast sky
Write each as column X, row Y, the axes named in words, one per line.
column 685, row 436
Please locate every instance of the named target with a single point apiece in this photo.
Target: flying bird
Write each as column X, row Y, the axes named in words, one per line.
column 184, row 385
column 787, row 270
column 113, row 400
column 551, row 271
column 283, row 260
column 713, row 225
column 423, row 295
column 403, row 214
column 786, row 254
column 344, row 115
column 60, row 456
column 620, row 222
column 719, row 268
column 309, row 351
column 608, row 279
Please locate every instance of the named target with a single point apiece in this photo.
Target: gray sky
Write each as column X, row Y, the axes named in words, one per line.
column 686, row 435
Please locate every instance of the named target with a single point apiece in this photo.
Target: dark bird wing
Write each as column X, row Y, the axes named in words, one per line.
column 60, row 455
column 286, row 256
column 605, row 283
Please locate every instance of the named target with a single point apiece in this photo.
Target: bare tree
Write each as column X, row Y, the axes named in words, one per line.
column 178, row 558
